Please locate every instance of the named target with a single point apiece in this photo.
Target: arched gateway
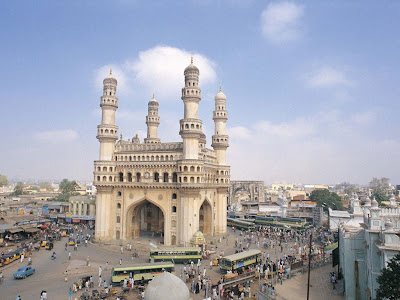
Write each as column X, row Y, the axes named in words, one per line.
column 144, row 219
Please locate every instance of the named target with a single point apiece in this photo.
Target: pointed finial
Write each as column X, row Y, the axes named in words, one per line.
column 110, row 70
column 191, row 59
column 153, row 96
column 220, row 87
column 121, row 136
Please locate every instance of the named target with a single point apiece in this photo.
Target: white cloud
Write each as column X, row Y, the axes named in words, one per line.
column 57, row 136
column 239, row 132
column 280, row 22
column 327, row 77
column 327, row 147
column 158, row 70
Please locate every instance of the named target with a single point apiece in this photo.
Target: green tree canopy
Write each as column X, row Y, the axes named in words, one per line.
column 389, row 287
column 380, row 189
column 325, row 198
column 19, row 188
column 67, row 186
column 3, row 180
column 67, row 189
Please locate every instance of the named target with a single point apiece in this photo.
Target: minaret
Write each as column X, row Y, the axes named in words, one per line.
column 107, row 131
column 190, row 125
column 152, row 121
column 220, row 140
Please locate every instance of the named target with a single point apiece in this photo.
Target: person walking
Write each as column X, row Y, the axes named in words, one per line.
column 106, row 268
column 100, row 281
column 87, row 261
column 120, row 261
column 69, row 255
column 70, row 294
column 22, row 257
column 100, row 270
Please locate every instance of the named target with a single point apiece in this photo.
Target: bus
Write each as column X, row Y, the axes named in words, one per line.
column 235, row 262
column 241, row 224
column 175, row 254
column 298, row 224
column 142, row 271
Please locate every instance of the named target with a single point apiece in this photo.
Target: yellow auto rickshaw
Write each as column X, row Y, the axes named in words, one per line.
column 71, row 242
column 48, row 246
column 43, row 243
column 215, row 262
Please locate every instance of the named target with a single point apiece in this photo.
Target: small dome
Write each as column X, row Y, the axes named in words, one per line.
column 367, row 202
column 191, row 67
column 374, row 203
column 220, row 95
column 388, row 226
column 167, row 286
column 153, row 99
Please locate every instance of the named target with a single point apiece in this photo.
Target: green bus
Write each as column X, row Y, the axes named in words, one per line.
column 237, row 261
column 298, row 224
column 142, row 271
column 241, row 224
column 175, row 254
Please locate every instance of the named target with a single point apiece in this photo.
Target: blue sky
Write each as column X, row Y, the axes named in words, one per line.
column 312, row 86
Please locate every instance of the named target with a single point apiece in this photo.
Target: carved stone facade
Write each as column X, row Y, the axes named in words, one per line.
column 253, row 189
column 174, row 189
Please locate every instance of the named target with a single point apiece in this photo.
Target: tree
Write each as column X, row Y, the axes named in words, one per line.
column 325, row 198
column 18, row 189
column 3, row 180
column 67, row 189
column 46, row 185
column 389, row 287
column 67, row 186
column 380, row 189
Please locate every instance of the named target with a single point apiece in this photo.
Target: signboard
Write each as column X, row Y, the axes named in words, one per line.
column 45, row 210
column 305, row 203
column 23, row 211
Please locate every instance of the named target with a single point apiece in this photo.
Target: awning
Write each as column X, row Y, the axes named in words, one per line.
column 15, row 230
column 31, row 230
column 76, row 220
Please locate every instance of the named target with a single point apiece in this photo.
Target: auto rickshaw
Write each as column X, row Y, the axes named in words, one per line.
column 43, row 243
column 49, row 246
column 215, row 261
column 71, row 242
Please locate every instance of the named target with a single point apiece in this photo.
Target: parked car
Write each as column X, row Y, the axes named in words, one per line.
column 23, row 272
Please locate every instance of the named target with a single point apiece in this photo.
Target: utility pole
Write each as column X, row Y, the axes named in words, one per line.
column 309, row 269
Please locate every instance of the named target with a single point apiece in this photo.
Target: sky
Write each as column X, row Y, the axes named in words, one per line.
column 312, row 86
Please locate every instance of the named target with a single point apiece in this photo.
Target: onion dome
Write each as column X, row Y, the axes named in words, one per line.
column 153, row 99
column 374, row 203
column 191, row 68
column 110, row 79
column 389, row 226
column 393, row 201
column 367, row 202
column 167, row 286
column 220, row 95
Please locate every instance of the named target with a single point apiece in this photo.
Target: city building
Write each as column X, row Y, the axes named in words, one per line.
column 169, row 189
column 365, row 248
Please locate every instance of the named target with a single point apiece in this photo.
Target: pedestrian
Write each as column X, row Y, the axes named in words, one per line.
column 85, row 243
column 105, row 284
column 122, row 249
column 106, row 268
column 91, row 282
column 69, row 255
column 22, row 257
column 66, row 246
column 100, row 281
column 100, row 270
column 70, row 294
column 87, row 261
column 18, row 297
column 120, row 261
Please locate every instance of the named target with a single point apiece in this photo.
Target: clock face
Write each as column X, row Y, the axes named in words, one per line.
column 146, row 175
